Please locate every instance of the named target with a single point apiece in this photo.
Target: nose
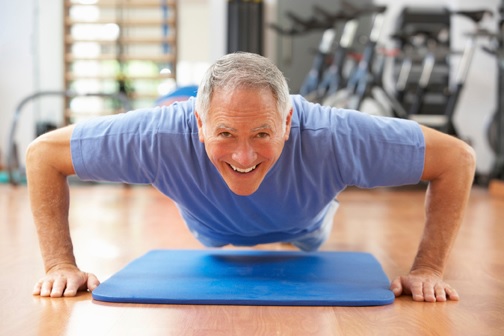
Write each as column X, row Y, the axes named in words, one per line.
column 244, row 154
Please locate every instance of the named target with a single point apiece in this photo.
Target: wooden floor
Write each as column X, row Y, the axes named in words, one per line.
column 112, row 225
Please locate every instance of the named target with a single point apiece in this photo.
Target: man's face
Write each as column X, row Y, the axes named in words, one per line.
column 243, row 136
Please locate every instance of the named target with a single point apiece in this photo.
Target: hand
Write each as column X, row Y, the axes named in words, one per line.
column 424, row 285
column 65, row 280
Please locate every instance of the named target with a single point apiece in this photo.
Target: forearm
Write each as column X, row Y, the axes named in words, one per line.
column 446, row 200
column 49, row 198
column 50, row 203
column 443, row 220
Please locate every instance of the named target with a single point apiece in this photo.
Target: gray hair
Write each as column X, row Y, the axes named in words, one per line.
column 245, row 70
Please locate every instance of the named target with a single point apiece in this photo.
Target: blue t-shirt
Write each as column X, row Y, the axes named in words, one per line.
column 328, row 149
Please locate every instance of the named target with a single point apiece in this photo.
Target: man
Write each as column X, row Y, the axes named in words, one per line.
column 248, row 164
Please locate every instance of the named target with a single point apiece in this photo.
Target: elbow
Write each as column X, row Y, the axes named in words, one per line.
column 50, row 153
column 447, row 157
column 34, row 154
column 470, row 157
column 467, row 159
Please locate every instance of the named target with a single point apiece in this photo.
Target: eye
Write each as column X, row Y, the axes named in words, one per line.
column 262, row 135
column 225, row 135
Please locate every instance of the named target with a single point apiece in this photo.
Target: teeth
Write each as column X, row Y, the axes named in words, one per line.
column 248, row 170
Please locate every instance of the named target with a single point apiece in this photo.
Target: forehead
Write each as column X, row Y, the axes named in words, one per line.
column 243, row 103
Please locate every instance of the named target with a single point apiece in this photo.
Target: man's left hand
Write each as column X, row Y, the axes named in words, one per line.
column 424, row 285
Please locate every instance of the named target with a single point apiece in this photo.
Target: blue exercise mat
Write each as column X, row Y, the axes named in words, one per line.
column 239, row 277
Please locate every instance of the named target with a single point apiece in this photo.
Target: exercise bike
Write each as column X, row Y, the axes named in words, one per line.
column 352, row 95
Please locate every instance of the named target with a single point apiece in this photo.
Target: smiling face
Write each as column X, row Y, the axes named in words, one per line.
column 244, row 135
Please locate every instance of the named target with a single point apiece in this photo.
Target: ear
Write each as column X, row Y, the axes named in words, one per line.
column 288, row 122
column 200, row 127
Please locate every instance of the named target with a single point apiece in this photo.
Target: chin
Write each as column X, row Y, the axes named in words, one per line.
column 241, row 191
column 243, row 185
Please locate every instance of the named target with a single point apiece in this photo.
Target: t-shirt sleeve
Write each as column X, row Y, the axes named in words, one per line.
column 373, row 151
column 118, row 148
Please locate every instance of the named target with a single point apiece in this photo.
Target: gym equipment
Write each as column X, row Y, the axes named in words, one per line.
column 495, row 129
column 352, row 95
column 427, row 68
column 444, row 122
column 333, row 78
column 319, row 21
column 425, row 31
column 302, row 26
column 312, row 80
column 15, row 171
column 245, row 26
column 431, row 50
column 249, row 277
column 338, row 49
column 434, row 47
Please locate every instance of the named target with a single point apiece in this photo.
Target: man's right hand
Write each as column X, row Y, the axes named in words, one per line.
column 65, row 280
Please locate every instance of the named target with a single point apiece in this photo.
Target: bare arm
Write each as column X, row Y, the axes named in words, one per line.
column 48, row 163
column 449, row 168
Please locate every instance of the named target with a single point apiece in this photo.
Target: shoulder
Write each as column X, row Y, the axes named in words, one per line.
column 175, row 118
column 178, row 117
column 313, row 116
column 307, row 115
column 348, row 126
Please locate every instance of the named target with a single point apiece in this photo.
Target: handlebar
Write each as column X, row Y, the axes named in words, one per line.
column 328, row 20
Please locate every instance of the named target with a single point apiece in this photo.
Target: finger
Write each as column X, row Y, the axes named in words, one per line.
column 440, row 291
column 46, row 288
column 417, row 291
column 452, row 293
column 58, row 287
column 92, row 281
column 396, row 286
column 429, row 293
column 72, row 286
column 37, row 288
